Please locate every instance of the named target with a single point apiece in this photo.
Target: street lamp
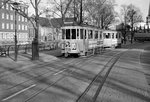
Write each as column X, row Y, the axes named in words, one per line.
column 15, row 7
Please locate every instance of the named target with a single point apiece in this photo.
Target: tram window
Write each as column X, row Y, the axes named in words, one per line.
column 85, row 35
column 100, row 36
column 81, row 33
column 67, row 33
column 107, row 35
column 96, row 34
column 104, row 34
column 77, row 33
column 112, row 35
column 63, row 33
column 119, row 35
column 116, row 35
column 73, row 33
column 90, row 34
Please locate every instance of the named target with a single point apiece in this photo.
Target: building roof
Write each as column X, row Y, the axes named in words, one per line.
column 44, row 22
column 54, row 22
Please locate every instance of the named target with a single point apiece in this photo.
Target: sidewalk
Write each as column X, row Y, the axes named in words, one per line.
column 24, row 60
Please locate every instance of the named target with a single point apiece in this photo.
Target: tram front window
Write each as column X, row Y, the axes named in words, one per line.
column 67, row 33
column 63, row 34
column 73, row 33
column 96, row 34
column 81, row 33
column 107, row 35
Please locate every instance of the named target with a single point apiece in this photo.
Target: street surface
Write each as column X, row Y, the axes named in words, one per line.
column 57, row 79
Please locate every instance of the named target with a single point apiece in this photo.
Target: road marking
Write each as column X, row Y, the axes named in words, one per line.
column 19, row 92
column 60, row 72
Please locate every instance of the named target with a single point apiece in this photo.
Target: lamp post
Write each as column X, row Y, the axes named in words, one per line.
column 15, row 7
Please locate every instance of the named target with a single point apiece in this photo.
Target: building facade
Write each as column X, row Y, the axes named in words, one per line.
column 7, row 24
column 49, row 30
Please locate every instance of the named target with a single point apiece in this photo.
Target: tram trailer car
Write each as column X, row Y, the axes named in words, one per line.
column 112, row 39
column 79, row 39
column 142, row 37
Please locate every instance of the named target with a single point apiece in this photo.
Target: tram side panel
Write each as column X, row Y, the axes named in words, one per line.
column 112, row 39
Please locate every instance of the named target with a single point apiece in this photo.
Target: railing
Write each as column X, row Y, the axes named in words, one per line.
column 10, row 49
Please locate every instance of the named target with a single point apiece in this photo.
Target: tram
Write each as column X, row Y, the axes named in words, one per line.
column 111, row 39
column 79, row 39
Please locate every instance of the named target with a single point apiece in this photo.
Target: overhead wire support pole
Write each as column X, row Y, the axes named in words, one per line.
column 16, row 49
column 15, row 7
column 81, row 13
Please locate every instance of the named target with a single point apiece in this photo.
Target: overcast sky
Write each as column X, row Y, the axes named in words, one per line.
column 142, row 4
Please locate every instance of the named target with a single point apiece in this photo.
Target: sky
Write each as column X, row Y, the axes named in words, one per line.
column 142, row 4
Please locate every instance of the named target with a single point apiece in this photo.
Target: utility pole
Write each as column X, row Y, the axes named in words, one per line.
column 15, row 7
column 74, row 11
column 16, row 49
column 81, row 21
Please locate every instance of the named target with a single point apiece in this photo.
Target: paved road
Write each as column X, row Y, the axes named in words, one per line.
column 65, row 80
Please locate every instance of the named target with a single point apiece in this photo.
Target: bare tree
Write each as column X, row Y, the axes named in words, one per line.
column 60, row 8
column 35, row 22
column 100, row 12
column 124, row 10
column 134, row 15
column 4, row 3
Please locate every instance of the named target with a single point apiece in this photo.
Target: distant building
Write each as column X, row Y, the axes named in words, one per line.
column 7, row 25
column 49, row 29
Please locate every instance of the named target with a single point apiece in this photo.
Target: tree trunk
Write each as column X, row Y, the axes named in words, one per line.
column 35, row 50
column 35, row 47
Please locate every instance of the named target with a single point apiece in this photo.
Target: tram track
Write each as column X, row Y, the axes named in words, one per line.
column 100, row 79
column 54, row 74
column 47, row 87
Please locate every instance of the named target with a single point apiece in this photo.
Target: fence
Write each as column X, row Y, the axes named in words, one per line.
column 10, row 49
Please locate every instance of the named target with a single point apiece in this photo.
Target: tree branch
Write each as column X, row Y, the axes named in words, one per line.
column 4, row 3
column 67, row 7
column 38, row 2
column 32, row 4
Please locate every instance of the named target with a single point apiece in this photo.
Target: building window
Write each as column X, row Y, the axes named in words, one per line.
column 7, row 26
column 11, row 17
column 22, row 27
column 7, row 6
column 3, row 4
column 12, row 26
column 19, row 18
column 22, row 19
column 3, row 25
column 7, row 16
column 26, row 28
column 19, row 26
column 3, row 15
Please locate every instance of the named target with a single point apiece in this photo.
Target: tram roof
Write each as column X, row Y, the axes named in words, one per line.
column 80, row 26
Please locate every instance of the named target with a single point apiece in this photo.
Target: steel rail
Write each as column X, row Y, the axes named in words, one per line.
column 115, row 58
